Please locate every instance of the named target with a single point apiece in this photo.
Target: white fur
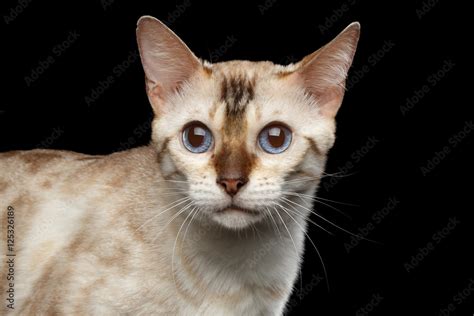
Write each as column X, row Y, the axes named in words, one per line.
column 96, row 247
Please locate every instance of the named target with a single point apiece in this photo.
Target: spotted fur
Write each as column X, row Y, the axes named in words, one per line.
column 150, row 230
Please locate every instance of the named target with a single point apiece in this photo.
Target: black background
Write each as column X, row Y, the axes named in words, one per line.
column 402, row 46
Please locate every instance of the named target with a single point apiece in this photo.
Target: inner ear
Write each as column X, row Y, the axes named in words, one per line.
column 167, row 61
column 323, row 73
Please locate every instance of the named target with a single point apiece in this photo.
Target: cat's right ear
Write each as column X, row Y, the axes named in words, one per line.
column 167, row 61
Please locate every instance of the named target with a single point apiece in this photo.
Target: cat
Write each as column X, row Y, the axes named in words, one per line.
column 205, row 220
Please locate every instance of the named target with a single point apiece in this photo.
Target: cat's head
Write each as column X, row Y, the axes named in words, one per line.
column 242, row 139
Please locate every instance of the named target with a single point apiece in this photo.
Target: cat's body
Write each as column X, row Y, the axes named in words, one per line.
column 79, row 241
column 206, row 220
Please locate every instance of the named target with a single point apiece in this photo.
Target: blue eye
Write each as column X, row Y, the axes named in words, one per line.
column 197, row 138
column 275, row 138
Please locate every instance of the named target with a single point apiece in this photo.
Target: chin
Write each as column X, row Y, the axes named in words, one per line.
column 236, row 218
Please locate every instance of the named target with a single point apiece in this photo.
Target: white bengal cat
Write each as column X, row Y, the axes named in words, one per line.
column 173, row 228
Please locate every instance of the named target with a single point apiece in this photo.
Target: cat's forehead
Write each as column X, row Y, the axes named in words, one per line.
column 236, row 91
column 237, row 83
column 245, row 71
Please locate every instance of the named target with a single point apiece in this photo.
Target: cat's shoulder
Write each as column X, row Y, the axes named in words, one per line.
column 36, row 160
column 38, row 157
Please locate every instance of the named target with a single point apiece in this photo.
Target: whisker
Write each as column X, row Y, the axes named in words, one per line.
column 254, row 230
column 294, row 245
column 195, row 210
column 308, row 219
column 324, row 199
column 186, row 207
column 315, row 199
column 323, row 175
column 174, row 190
column 315, row 248
column 168, row 180
column 276, row 228
column 340, row 174
column 326, row 220
column 302, row 179
column 287, row 230
column 298, row 182
column 330, row 206
column 306, row 202
column 176, row 203
column 181, row 211
column 171, row 193
column 174, row 248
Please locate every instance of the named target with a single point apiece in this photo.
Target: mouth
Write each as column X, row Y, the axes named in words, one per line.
column 236, row 217
column 237, row 209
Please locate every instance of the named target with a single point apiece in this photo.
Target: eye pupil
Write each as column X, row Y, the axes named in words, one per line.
column 197, row 138
column 276, row 137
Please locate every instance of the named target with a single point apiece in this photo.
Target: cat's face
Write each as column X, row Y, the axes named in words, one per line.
column 242, row 139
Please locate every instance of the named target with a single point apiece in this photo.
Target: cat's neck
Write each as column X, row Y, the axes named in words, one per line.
column 220, row 256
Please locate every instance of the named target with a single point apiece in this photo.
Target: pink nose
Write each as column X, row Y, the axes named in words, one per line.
column 232, row 186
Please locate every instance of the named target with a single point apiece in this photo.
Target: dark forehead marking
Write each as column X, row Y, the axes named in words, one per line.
column 237, row 91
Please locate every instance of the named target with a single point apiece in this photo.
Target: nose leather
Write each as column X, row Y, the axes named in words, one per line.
column 232, row 186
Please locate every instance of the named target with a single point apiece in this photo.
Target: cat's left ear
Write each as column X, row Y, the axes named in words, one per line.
column 167, row 61
column 323, row 73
